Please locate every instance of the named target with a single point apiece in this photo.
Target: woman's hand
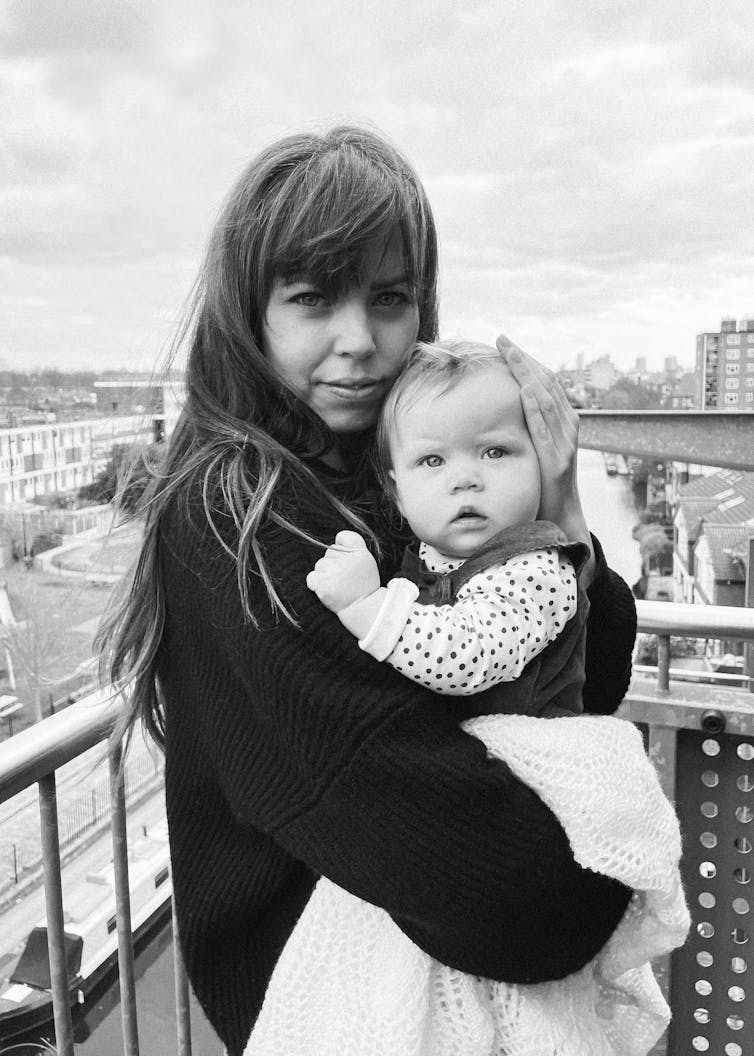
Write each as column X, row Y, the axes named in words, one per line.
column 554, row 427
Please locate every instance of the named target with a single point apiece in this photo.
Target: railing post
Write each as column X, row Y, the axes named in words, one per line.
column 48, row 813
column 123, row 906
column 663, row 663
column 182, row 1006
column 749, row 602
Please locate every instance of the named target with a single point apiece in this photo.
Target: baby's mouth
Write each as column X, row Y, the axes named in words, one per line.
column 468, row 513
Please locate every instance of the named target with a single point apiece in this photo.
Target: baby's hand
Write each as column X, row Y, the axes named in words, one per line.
column 347, row 573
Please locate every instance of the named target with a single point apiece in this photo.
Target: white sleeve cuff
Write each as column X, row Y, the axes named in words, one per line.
column 383, row 635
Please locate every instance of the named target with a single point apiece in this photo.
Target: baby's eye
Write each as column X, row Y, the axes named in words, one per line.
column 432, row 461
column 495, row 452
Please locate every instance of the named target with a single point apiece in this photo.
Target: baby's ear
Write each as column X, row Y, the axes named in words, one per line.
column 393, row 492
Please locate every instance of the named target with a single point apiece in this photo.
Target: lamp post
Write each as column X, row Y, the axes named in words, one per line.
column 9, row 705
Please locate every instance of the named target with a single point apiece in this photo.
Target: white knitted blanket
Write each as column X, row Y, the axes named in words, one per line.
column 350, row 983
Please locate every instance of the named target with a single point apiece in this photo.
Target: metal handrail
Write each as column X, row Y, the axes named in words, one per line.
column 695, row 621
column 43, row 748
column 665, row 618
column 36, row 753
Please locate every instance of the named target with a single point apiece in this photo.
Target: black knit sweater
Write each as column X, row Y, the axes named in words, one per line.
column 291, row 754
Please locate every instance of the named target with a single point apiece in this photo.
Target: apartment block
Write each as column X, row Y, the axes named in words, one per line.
column 725, row 367
column 44, row 458
column 62, row 456
column 601, row 374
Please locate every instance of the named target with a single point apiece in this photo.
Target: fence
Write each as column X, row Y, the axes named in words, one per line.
column 81, row 815
column 35, row 755
column 701, row 737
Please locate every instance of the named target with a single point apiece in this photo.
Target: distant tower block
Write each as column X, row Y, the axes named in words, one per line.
column 725, row 366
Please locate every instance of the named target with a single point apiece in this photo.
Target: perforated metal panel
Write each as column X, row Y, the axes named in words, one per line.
column 712, row 976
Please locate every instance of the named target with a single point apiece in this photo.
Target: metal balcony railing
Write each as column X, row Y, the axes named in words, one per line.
column 35, row 755
column 701, row 738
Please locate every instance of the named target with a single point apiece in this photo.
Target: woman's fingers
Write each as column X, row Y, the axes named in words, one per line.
column 548, row 412
column 554, row 426
column 535, row 415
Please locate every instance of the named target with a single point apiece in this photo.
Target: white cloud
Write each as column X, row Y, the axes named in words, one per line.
column 590, row 164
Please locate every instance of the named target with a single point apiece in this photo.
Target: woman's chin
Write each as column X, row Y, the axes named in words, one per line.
column 349, row 424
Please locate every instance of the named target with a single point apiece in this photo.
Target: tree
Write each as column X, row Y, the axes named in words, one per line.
column 32, row 645
column 46, row 627
column 125, row 477
column 628, row 395
column 654, row 546
column 653, row 514
column 13, row 536
column 646, row 648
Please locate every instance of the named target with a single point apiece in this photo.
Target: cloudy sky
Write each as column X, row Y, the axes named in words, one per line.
column 591, row 164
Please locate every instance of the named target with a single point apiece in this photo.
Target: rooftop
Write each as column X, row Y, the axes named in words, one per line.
column 726, row 546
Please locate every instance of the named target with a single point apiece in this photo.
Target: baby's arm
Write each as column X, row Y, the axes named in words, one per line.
column 347, row 581
column 502, row 617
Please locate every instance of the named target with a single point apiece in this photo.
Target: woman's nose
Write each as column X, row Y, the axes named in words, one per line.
column 352, row 331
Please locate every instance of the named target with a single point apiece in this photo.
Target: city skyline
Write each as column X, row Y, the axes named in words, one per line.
column 590, row 166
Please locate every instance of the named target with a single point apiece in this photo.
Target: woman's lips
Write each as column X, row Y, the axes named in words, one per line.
column 354, row 390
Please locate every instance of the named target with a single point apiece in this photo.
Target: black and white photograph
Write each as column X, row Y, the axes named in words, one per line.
column 376, row 528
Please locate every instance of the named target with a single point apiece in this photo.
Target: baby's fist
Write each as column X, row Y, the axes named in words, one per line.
column 347, row 573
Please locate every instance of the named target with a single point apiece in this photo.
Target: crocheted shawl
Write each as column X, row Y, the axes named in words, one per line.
column 350, row 983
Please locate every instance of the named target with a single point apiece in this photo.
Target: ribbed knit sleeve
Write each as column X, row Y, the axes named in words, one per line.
column 611, row 632
column 292, row 754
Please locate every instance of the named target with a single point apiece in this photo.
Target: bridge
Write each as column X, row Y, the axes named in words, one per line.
column 706, row 438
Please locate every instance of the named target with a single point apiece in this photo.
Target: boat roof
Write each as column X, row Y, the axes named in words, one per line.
column 147, row 854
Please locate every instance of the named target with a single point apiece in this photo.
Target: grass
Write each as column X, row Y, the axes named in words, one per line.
column 61, row 614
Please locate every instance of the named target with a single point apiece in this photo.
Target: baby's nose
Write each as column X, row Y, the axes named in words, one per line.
column 467, row 478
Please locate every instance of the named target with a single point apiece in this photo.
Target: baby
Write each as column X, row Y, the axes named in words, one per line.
column 488, row 588
column 489, row 603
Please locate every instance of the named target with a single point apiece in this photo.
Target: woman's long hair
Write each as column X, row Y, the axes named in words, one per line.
column 308, row 204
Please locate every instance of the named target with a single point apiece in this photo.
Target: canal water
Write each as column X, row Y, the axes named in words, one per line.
column 611, row 507
column 99, row 1032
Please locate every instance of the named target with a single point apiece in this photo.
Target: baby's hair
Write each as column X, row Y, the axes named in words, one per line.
column 432, row 369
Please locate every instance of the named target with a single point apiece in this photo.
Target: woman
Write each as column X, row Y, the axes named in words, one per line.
column 287, row 757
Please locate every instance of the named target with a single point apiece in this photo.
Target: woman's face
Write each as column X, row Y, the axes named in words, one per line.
column 342, row 355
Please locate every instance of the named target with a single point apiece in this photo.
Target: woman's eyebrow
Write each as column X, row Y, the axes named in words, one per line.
column 398, row 280
column 295, row 278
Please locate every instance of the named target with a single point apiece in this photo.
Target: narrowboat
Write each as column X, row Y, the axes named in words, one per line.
column 91, row 939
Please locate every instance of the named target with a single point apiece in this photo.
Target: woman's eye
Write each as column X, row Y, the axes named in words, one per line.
column 495, row 452
column 432, row 461
column 309, row 299
column 390, row 299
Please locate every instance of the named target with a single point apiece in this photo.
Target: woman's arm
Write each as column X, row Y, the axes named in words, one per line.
column 610, row 638
column 367, row 779
column 611, row 628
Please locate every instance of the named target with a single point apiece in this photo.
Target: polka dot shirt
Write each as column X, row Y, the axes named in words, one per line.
column 502, row 618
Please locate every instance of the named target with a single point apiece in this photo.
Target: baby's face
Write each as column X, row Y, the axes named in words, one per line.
column 464, row 465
